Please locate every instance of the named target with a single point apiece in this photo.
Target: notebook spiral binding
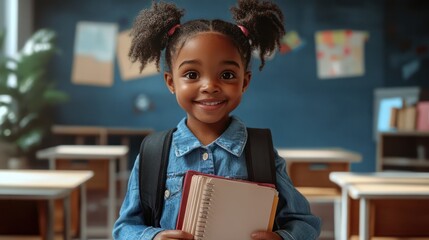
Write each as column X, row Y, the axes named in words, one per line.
column 204, row 211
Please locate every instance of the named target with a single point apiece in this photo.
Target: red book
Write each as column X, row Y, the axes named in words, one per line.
column 423, row 116
column 214, row 207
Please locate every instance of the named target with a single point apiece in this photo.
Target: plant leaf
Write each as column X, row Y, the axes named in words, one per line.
column 27, row 83
column 37, row 51
column 28, row 119
column 53, row 96
column 30, row 139
column 26, row 95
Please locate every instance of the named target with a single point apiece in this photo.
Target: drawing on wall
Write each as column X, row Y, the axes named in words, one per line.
column 94, row 52
column 129, row 70
column 290, row 42
column 340, row 53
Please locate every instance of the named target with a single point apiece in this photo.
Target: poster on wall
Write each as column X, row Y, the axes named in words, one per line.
column 340, row 53
column 291, row 41
column 129, row 70
column 94, row 51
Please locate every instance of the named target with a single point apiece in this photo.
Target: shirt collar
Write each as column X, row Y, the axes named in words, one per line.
column 233, row 139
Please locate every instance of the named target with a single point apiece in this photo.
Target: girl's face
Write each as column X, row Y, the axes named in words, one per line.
column 208, row 77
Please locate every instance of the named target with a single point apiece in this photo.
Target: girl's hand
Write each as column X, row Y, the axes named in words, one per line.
column 264, row 235
column 173, row 234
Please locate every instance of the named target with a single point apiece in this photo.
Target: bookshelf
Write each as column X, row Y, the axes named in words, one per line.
column 401, row 98
column 403, row 151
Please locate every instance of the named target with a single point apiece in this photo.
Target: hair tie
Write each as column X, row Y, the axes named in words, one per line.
column 244, row 30
column 172, row 30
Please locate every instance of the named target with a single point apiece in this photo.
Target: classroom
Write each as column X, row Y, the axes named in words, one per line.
column 345, row 95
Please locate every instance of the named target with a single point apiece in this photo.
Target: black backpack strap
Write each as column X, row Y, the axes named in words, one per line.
column 154, row 153
column 260, row 156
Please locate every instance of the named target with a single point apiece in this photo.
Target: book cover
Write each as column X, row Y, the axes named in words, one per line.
column 423, row 116
column 407, row 118
column 214, row 207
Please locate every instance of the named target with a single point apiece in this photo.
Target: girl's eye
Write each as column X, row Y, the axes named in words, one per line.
column 228, row 75
column 191, row 75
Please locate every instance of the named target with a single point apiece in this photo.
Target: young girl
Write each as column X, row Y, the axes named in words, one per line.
column 207, row 65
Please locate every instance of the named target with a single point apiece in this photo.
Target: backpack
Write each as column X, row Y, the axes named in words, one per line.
column 154, row 153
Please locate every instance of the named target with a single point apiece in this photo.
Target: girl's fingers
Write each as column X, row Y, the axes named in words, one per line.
column 264, row 235
column 174, row 234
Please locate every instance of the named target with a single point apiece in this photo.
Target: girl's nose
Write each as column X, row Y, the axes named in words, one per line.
column 210, row 85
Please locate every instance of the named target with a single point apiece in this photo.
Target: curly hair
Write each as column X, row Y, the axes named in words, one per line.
column 263, row 21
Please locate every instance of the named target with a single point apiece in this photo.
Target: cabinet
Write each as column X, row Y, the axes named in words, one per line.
column 403, row 151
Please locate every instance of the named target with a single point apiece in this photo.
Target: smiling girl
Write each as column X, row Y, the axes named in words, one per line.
column 207, row 68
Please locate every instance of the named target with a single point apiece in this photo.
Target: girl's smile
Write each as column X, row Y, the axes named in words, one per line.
column 208, row 77
column 210, row 104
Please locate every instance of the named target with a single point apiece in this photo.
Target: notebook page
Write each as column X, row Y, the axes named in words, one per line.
column 193, row 203
column 237, row 209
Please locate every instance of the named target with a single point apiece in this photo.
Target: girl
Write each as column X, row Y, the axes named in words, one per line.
column 207, row 65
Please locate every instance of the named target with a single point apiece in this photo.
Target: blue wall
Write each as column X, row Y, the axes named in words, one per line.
column 287, row 96
column 407, row 39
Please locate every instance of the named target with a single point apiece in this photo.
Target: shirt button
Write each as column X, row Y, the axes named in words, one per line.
column 166, row 194
column 205, row 156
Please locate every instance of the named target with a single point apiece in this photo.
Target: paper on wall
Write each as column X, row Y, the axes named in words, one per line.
column 94, row 51
column 128, row 69
column 409, row 69
column 290, row 41
column 340, row 53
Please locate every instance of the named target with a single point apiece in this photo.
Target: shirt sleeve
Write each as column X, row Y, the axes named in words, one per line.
column 294, row 219
column 130, row 223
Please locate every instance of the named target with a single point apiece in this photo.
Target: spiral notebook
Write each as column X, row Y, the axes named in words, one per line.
column 214, row 207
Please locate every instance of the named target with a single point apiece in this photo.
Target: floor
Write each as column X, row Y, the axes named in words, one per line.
column 97, row 214
column 325, row 212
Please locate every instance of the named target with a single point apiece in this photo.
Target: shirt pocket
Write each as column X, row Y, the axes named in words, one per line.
column 173, row 186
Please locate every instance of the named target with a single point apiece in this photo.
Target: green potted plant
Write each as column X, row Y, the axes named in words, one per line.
column 26, row 95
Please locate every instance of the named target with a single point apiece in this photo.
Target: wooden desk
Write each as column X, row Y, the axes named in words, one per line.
column 311, row 167
column 47, row 185
column 101, row 136
column 309, row 171
column 366, row 192
column 100, row 133
column 347, row 180
column 93, row 153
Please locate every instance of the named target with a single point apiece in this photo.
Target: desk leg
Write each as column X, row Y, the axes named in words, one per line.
column 123, row 167
column 123, row 174
column 52, row 164
column 112, row 198
column 50, row 220
column 337, row 218
column 83, row 213
column 363, row 219
column 67, row 217
column 344, row 213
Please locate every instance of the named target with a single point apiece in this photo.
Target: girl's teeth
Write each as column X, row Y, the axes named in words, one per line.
column 210, row 103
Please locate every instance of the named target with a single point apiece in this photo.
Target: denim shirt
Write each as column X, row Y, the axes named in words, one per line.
column 223, row 157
